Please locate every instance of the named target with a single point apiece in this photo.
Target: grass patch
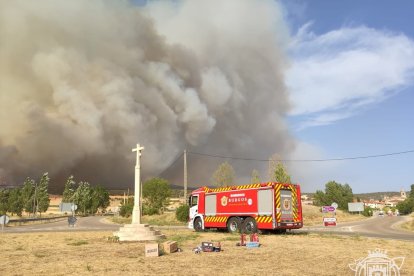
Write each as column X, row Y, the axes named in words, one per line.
column 409, row 225
column 184, row 238
column 120, row 220
column 357, row 237
column 166, row 219
column 112, row 238
column 40, row 254
column 78, row 243
column 232, row 238
column 328, row 235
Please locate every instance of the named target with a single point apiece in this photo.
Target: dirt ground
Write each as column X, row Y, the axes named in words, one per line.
column 91, row 253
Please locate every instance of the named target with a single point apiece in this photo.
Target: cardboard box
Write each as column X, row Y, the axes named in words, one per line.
column 170, row 246
column 152, row 250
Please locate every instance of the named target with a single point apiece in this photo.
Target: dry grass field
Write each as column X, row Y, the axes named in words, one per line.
column 90, row 253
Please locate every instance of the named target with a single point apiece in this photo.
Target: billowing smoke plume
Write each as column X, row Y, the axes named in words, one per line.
column 83, row 81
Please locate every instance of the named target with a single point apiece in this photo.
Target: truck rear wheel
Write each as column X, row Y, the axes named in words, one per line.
column 234, row 224
column 198, row 225
column 249, row 226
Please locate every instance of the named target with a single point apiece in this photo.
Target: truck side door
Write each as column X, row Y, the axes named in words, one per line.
column 193, row 203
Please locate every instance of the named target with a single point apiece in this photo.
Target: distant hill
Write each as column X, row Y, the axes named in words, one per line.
column 368, row 196
column 377, row 195
column 176, row 190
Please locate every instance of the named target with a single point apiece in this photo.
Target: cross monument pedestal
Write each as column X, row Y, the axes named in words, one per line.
column 137, row 231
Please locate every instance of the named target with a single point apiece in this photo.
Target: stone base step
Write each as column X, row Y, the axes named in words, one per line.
column 138, row 232
column 126, row 233
column 139, row 237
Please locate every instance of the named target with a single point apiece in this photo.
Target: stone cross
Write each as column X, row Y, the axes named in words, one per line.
column 136, row 213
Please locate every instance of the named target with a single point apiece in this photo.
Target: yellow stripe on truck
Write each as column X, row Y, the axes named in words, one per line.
column 277, row 201
column 294, row 203
column 263, row 219
column 215, row 219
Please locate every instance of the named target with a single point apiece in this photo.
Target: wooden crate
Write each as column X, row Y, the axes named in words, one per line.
column 170, row 246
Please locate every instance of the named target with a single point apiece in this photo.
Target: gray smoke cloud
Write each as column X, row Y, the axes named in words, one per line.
column 83, row 81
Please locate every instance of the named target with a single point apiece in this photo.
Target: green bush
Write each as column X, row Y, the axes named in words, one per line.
column 368, row 212
column 182, row 213
column 126, row 209
column 149, row 210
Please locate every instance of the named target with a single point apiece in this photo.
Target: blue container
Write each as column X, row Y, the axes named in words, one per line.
column 252, row 244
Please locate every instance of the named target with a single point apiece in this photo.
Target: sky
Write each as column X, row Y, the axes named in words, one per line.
column 352, row 90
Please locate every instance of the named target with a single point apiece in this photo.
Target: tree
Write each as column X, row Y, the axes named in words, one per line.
column 100, row 199
column 411, row 195
column 43, row 199
column 4, row 201
column 255, row 177
column 88, row 199
column 279, row 173
column 27, row 194
column 15, row 202
column 156, row 193
column 335, row 192
column 83, row 197
column 69, row 191
column 224, row 175
column 407, row 206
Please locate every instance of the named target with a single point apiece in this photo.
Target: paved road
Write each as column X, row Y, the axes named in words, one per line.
column 95, row 223
column 376, row 227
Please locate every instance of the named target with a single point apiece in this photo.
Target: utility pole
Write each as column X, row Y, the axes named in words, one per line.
column 270, row 169
column 185, row 176
column 35, row 201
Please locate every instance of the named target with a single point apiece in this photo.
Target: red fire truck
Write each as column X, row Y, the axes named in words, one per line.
column 247, row 208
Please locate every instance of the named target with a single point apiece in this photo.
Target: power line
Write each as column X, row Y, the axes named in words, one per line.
column 176, row 159
column 303, row 160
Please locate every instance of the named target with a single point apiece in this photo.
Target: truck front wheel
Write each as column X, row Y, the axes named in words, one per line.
column 249, row 225
column 233, row 225
column 198, row 225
